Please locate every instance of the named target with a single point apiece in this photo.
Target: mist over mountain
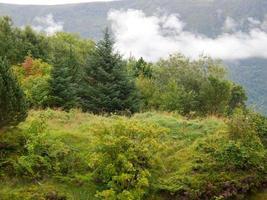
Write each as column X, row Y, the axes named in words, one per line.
column 202, row 16
column 208, row 19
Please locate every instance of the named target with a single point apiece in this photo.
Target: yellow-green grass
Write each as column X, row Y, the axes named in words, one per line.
column 185, row 161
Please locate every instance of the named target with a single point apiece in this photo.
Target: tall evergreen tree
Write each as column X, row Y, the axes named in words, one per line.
column 106, row 86
column 63, row 85
column 13, row 106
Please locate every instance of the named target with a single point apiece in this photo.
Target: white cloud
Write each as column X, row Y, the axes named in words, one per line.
column 253, row 21
column 47, row 24
column 230, row 25
column 48, row 2
column 154, row 37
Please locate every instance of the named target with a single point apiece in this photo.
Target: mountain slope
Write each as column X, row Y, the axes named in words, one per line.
column 205, row 17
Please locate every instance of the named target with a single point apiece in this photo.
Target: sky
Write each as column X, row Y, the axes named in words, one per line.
column 47, row 2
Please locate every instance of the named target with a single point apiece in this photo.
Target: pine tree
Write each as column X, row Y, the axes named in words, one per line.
column 13, row 106
column 62, row 85
column 106, row 87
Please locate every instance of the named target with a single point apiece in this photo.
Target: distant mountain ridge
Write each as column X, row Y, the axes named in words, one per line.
column 205, row 17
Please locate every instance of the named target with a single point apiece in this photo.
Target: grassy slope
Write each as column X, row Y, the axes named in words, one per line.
column 186, row 164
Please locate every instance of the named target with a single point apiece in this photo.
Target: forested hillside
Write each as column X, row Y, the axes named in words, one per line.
column 207, row 17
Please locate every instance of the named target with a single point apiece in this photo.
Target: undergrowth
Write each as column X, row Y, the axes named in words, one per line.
column 58, row 155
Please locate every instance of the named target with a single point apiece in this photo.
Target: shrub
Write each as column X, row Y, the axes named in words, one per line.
column 34, row 76
column 238, row 156
column 260, row 124
column 245, row 149
column 45, row 156
column 124, row 157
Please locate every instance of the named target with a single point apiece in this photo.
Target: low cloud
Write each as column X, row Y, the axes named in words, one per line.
column 154, row 37
column 47, row 24
column 230, row 25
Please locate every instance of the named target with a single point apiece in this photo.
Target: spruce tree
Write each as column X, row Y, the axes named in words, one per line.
column 62, row 85
column 106, row 86
column 13, row 106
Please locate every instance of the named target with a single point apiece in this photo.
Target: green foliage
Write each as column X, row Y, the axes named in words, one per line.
column 250, row 121
column 33, row 164
column 245, row 150
column 37, row 44
column 123, row 158
column 63, row 91
column 199, row 17
column 34, row 76
column 6, row 37
column 150, row 155
column 69, row 57
column 71, row 50
column 140, row 68
column 17, row 43
column 215, row 96
column 146, row 156
column 106, row 86
column 190, row 87
column 45, row 191
column 236, row 155
column 13, row 106
column 45, row 156
column 176, row 98
column 260, row 123
column 238, row 97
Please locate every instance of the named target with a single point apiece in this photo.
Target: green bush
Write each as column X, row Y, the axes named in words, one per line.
column 34, row 76
column 245, row 149
column 123, row 158
column 237, row 155
column 260, row 124
column 45, row 156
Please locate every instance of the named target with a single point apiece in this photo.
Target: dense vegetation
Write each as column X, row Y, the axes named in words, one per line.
column 75, row 73
column 58, row 155
column 175, row 129
column 13, row 106
column 207, row 17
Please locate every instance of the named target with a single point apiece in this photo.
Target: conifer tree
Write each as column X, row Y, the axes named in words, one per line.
column 62, row 85
column 13, row 106
column 106, row 86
